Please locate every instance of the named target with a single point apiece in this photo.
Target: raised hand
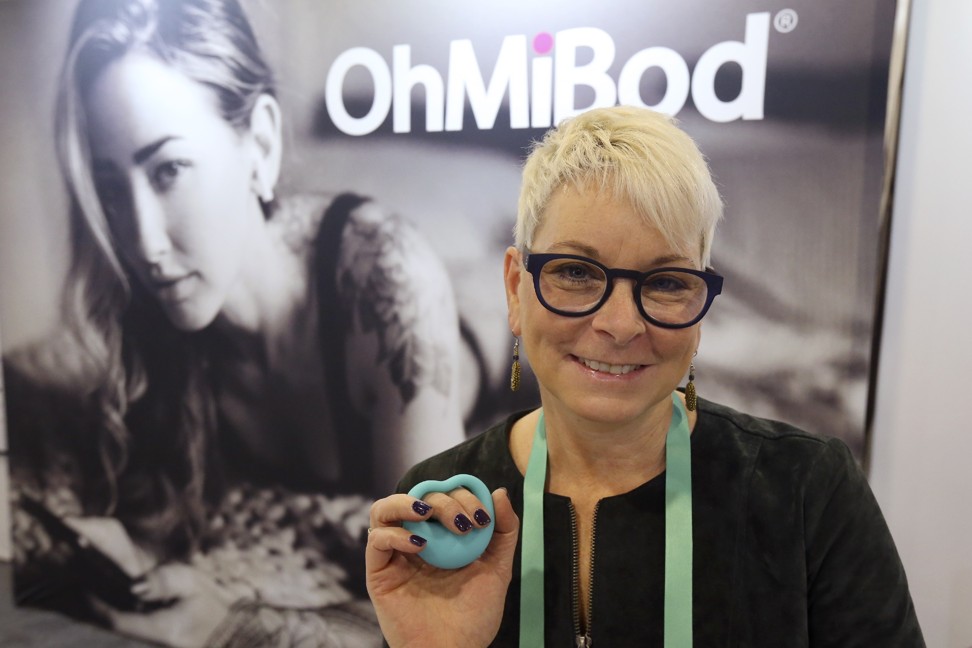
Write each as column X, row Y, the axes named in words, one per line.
column 421, row 605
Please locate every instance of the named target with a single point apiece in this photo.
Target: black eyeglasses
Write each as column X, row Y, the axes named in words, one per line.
column 574, row 286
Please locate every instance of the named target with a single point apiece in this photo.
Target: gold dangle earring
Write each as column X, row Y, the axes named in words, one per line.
column 691, row 400
column 515, row 372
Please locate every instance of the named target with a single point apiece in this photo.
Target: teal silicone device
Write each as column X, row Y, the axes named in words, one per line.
column 445, row 549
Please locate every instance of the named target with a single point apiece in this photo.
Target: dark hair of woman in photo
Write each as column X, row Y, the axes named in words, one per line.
column 217, row 332
column 626, row 511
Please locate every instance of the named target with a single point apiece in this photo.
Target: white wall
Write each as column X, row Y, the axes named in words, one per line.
column 921, row 461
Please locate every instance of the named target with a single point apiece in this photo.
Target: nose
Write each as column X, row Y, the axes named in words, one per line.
column 619, row 316
column 150, row 238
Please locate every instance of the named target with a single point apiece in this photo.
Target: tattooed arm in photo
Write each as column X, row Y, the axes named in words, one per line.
column 403, row 341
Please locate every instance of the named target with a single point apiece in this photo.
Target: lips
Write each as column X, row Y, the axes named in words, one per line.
column 613, row 369
column 175, row 288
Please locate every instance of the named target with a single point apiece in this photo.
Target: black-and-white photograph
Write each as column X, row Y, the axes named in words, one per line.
column 251, row 260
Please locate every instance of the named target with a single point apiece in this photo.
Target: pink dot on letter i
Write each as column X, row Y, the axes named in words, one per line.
column 542, row 43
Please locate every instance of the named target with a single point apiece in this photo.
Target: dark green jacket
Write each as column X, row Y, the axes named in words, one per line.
column 790, row 547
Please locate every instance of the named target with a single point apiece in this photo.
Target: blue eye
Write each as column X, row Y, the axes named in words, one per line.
column 576, row 271
column 665, row 283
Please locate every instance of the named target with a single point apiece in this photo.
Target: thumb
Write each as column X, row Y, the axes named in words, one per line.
column 507, row 531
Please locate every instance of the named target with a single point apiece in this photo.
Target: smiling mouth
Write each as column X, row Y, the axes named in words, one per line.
column 613, row 369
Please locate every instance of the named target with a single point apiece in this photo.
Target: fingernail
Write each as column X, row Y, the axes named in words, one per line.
column 421, row 507
column 462, row 523
column 418, row 541
column 482, row 517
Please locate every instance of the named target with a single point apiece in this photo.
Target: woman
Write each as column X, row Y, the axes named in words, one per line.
column 220, row 333
column 769, row 537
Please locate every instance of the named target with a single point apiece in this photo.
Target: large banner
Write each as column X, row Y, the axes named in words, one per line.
column 231, row 320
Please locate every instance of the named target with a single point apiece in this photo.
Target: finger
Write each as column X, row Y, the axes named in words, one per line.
column 171, row 581
column 450, row 512
column 384, row 542
column 472, row 506
column 391, row 511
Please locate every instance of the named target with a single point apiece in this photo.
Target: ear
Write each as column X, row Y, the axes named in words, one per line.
column 265, row 129
column 513, row 275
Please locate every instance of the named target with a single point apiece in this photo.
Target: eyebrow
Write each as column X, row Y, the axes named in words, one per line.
column 149, row 150
column 583, row 249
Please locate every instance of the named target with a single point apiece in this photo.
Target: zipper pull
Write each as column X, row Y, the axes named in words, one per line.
column 582, row 641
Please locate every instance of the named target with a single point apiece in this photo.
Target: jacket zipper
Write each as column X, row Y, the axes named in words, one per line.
column 582, row 636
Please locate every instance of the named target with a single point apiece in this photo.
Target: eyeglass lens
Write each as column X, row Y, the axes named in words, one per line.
column 574, row 286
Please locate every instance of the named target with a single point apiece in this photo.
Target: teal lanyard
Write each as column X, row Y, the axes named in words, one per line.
column 678, row 535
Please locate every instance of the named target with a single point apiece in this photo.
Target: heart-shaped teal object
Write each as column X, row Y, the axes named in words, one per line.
column 445, row 549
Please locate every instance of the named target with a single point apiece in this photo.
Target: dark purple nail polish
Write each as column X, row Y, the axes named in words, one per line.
column 462, row 523
column 421, row 507
column 418, row 541
column 482, row 517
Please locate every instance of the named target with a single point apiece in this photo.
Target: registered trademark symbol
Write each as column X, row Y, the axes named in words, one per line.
column 785, row 21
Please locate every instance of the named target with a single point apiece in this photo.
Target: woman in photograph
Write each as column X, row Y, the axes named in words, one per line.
column 628, row 512
column 237, row 365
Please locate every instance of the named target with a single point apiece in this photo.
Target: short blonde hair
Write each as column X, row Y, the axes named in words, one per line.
column 638, row 155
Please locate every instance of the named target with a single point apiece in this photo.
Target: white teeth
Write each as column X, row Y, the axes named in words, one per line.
column 617, row 370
